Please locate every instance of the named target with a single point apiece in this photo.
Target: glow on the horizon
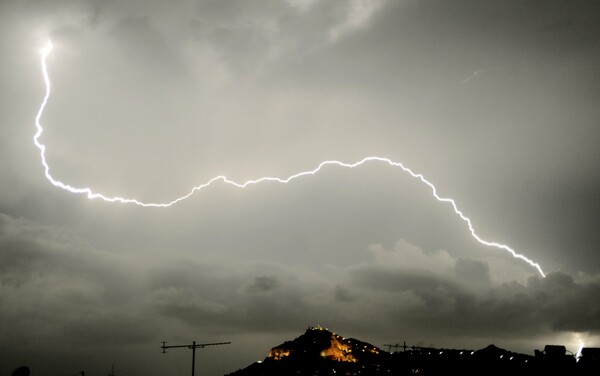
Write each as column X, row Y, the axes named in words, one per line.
column 221, row 178
column 580, row 349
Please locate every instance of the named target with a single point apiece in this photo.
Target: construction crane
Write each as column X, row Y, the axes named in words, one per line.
column 404, row 347
column 193, row 347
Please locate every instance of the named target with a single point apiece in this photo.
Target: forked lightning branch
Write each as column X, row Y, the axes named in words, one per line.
column 91, row 194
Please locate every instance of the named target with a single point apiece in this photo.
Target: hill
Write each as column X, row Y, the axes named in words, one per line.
column 321, row 352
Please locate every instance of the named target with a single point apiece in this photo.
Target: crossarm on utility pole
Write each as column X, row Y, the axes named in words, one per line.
column 193, row 347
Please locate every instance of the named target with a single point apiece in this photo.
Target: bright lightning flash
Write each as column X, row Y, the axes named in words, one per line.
column 94, row 195
column 580, row 349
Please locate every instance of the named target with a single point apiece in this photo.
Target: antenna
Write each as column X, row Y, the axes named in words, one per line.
column 193, row 347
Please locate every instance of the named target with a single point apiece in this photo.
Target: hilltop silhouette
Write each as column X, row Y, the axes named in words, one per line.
column 321, row 352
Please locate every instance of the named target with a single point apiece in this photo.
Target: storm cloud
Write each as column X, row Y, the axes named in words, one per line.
column 494, row 102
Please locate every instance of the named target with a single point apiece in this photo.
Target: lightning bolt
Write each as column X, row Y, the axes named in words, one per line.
column 221, row 178
column 580, row 350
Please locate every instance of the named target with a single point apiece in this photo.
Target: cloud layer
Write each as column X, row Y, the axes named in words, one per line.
column 54, row 285
column 494, row 102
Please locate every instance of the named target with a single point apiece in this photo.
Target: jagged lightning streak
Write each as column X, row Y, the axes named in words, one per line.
column 94, row 195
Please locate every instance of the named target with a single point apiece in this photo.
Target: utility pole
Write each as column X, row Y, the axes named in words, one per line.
column 193, row 347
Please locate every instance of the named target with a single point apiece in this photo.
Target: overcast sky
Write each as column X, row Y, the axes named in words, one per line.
column 497, row 103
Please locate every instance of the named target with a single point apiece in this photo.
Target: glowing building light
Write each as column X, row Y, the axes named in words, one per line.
column 223, row 179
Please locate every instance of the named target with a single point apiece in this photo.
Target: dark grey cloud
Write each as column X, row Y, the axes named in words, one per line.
column 263, row 284
column 455, row 304
column 342, row 294
column 54, row 285
column 49, row 275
